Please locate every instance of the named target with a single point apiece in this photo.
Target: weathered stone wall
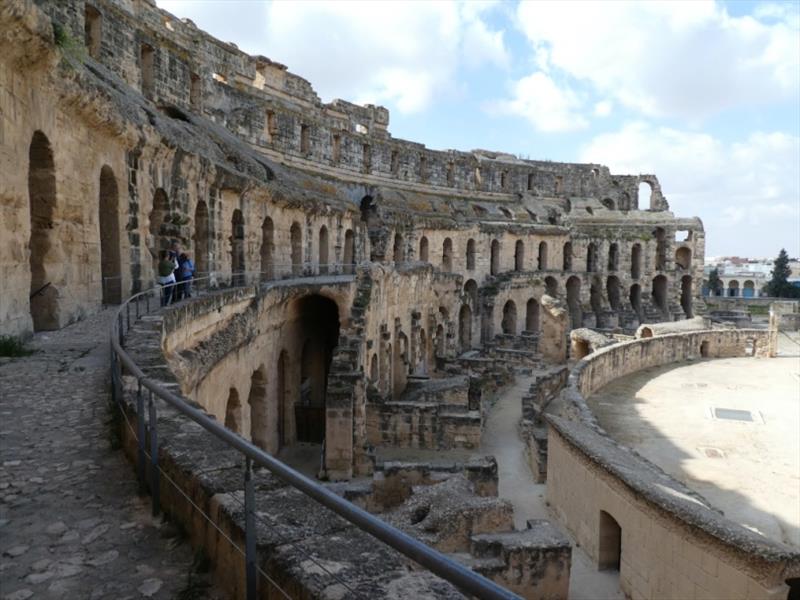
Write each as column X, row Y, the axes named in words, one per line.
column 673, row 543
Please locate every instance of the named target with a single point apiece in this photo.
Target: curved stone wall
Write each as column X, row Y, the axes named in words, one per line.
column 669, row 541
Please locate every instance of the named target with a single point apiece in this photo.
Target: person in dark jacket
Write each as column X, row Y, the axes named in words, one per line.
column 166, row 277
column 185, row 273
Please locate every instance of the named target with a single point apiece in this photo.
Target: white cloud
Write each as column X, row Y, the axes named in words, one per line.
column 406, row 53
column 549, row 107
column 746, row 192
column 685, row 59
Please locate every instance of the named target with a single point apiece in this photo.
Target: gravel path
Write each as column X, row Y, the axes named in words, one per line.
column 71, row 522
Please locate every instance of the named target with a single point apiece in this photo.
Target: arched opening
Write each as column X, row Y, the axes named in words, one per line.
column 267, row 249
column 373, row 369
column 92, row 30
column 519, row 256
column 509, row 323
column 608, row 203
column 647, row 332
column 683, row 258
column 659, row 293
column 400, row 365
column 349, row 252
column 551, row 286
column 441, row 341
column 686, row 296
column 42, row 204
column 579, row 349
column 645, row 195
column 283, row 400
column 636, row 260
column 398, row 253
column 596, row 299
column 704, row 349
column 794, row 588
column 316, row 326
column 733, row 288
column 233, row 412
column 465, row 328
column 296, row 240
column 542, row 262
column 635, row 297
column 495, row 258
column 661, row 248
column 470, row 255
column 749, row 289
column 159, row 226
column 591, row 258
column 532, row 316
column 146, row 62
column 423, row 249
column 613, row 293
column 613, row 257
column 447, row 255
column 323, row 249
column 110, row 267
column 201, row 238
column 609, row 547
column 237, row 246
column 257, row 400
column 422, row 356
column 471, row 290
column 567, row 256
column 574, row 302
column 368, row 209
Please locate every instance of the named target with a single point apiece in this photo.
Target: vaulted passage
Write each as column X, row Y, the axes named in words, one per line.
column 257, row 400
column 465, row 327
column 233, row 412
column 160, row 226
column 237, row 245
column 109, row 237
column 494, row 266
column 686, row 296
column 519, row 256
column 296, row 240
column 659, row 293
column 201, row 239
column 609, row 548
column 423, row 249
column 542, row 262
column 509, row 323
column 574, row 302
column 323, row 249
column 42, row 198
column 532, row 316
column 447, row 255
column 349, row 252
column 267, row 249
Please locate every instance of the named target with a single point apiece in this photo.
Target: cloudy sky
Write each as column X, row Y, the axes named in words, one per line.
column 704, row 94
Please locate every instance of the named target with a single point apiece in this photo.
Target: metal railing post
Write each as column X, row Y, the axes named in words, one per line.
column 114, row 397
column 128, row 314
column 154, row 478
column 119, row 330
column 249, row 530
column 147, row 303
column 140, row 427
column 137, row 308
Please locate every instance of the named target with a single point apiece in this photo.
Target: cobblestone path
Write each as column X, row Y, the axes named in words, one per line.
column 71, row 523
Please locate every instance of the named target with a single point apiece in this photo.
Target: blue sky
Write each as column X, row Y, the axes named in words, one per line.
column 704, row 94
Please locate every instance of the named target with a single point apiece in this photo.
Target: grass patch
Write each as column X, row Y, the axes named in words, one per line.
column 13, row 346
column 758, row 309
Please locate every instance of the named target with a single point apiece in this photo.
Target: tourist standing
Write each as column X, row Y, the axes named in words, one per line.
column 166, row 277
column 185, row 275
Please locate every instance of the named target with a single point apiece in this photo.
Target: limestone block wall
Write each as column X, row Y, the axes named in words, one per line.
column 628, row 514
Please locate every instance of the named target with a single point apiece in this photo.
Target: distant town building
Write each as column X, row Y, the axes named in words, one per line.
column 744, row 277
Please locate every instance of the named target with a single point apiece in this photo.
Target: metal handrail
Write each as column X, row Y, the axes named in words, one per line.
column 462, row 577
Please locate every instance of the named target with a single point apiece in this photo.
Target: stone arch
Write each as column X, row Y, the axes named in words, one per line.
column 368, row 209
column 399, row 366
column 447, row 255
column 733, row 288
column 532, row 316
column 647, row 332
column 422, row 355
column 399, row 251
column 519, row 256
column 267, row 249
column 636, row 261
column 704, row 345
column 645, row 196
column 374, row 373
column 659, row 293
column 494, row 266
column 661, row 248
column 471, row 290
column 423, row 249
column 233, row 412
column 686, row 296
column 608, row 203
column 609, row 544
column 574, row 301
column 613, row 293
column 749, row 289
column 567, row 256
column 591, row 258
column 42, row 205
column 349, row 251
column 237, row 246
column 470, row 255
column 110, row 266
column 465, row 327
column 323, row 249
column 635, row 298
column 257, row 400
column 596, row 299
column 551, row 286
column 201, row 238
column 509, row 322
column 92, row 30
column 683, row 258
column 542, row 262
column 613, row 257
column 296, row 241
column 159, row 225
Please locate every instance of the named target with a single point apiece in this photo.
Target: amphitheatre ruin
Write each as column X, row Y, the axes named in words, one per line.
column 489, row 364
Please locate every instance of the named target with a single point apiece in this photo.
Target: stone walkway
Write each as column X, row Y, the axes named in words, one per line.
column 501, row 438
column 71, row 523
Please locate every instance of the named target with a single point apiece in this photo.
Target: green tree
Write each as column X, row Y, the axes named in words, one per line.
column 778, row 286
column 714, row 282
